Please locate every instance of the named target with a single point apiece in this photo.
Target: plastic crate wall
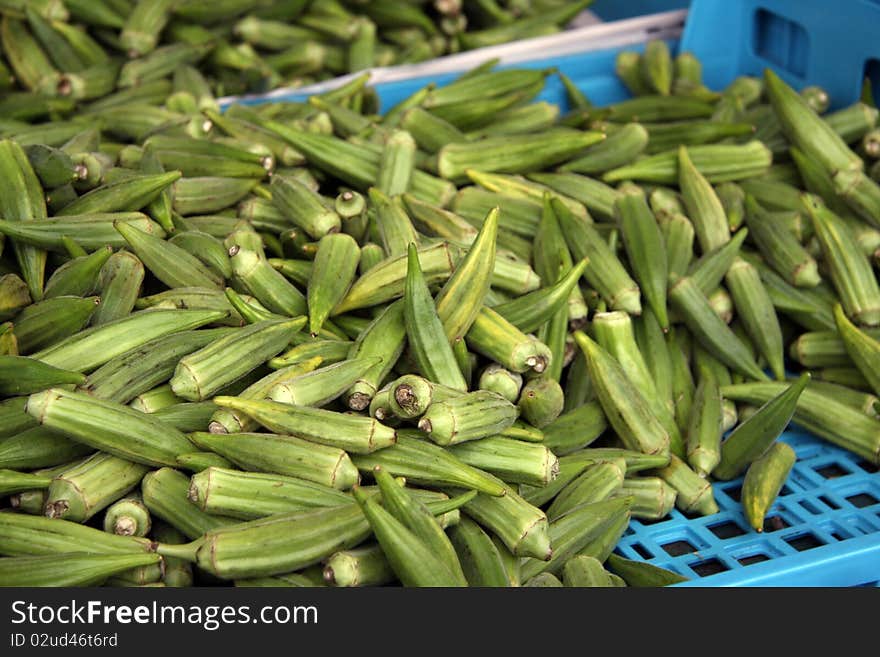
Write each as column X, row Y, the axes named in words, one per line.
column 615, row 10
column 824, row 529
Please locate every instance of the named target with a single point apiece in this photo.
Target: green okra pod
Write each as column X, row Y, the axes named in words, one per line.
column 108, row 426
column 362, row 566
column 417, row 518
column 652, row 497
column 828, row 417
column 716, row 163
column 613, row 331
column 704, row 426
column 356, row 434
column 296, row 540
column 624, row 405
column 253, row 273
column 422, row 462
column 522, row 527
column 411, row 395
column 145, row 366
column 90, row 486
column 425, row 333
column 198, row 461
column 541, row 400
column 78, row 276
column 694, row 493
column 572, row 532
column 383, row 338
column 657, row 67
column 461, row 297
column 321, row 386
column 127, row 517
column 387, row 280
column 702, row 203
column 71, row 570
column 850, row 271
column 12, row 481
column 23, row 201
column 862, row 348
column 332, row 274
column 119, row 284
column 250, row 495
column 515, row 461
column 496, row 378
column 200, row 374
column 22, row 376
column 167, row 261
column 514, row 154
column 709, row 270
column 411, row 558
column 93, row 231
column 641, row 574
column 710, row 330
column 93, row 347
column 780, row 248
column 470, row 416
column 805, row 129
column 665, row 136
column 598, row 482
column 479, row 556
column 756, row 311
column 764, row 479
column 753, row 437
column 678, row 236
column 393, row 223
column 604, row 271
column 643, row 241
column 860, row 192
column 575, row 429
column 397, row 163
column 284, row 455
column 164, row 491
column 620, row 148
column 586, row 572
column 206, row 248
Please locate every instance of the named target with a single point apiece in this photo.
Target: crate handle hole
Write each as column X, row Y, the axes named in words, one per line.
column 872, row 73
column 781, row 42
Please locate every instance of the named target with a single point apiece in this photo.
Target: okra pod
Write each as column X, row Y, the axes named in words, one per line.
column 763, row 481
column 356, row 434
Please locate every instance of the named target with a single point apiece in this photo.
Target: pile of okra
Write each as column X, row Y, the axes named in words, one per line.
column 460, row 342
column 81, row 51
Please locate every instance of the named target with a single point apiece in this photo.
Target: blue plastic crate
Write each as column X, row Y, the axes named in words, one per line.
column 615, row 10
column 824, row 529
